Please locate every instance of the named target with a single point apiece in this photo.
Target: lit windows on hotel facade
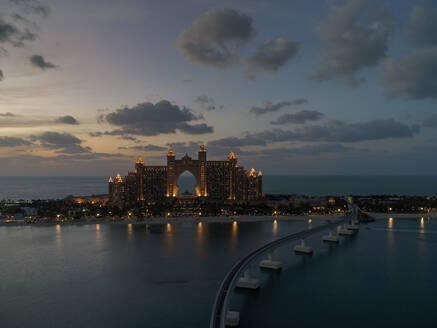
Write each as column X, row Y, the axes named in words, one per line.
column 215, row 180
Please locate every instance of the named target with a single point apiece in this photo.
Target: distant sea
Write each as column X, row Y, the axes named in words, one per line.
column 27, row 188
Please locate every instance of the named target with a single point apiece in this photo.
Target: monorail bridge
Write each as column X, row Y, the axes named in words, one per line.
column 220, row 315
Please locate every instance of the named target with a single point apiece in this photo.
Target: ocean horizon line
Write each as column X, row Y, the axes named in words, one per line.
column 265, row 175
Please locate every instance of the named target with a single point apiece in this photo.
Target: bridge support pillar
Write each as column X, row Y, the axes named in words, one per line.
column 247, row 282
column 232, row 319
column 345, row 232
column 331, row 238
column 269, row 263
column 353, row 226
column 302, row 248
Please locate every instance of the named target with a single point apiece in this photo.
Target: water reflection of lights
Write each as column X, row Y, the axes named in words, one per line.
column 391, row 245
column 98, row 234
column 234, row 229
column 422, row 225
column 275, row 226
column 130, row 232
column 58, row 236
column 234, row 234
column 200, row 238
column 169, row 236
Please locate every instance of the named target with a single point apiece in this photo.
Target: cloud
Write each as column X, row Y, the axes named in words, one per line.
column 22, row 20
column 430, row 122
column 2, row 76
column 68, row 119
column 422, row 25
column 201, row 128
column 96, row 164
column 65, row 158
column 300, row 117
column 13, row 120
column 86, row 156
column 337, row 131
column 249, row 139
column 213, row 38
column 216, row 149
column 32, row 7
column 332, row 131
column 271, row 107
column 11, row 34
column 311, row 150
column 412, row 76
column 180, row 148
column 13, row 142
column 148, row 119
column 126, row 137
column 205, row 102
column 40, row 62
column 8, row 114
column 355, row 36
column 148, row 147
column 271, row 55
column 61, row 142
column 96, row 134
column 120, row 133
column 320, row 148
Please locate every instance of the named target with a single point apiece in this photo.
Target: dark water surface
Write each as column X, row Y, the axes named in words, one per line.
column 59, row 187
column 123, row 276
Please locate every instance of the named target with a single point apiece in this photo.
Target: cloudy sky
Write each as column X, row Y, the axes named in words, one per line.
column 292, row 87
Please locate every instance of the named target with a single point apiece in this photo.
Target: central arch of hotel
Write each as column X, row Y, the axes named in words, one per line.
column 179, row 172
column 197, row 167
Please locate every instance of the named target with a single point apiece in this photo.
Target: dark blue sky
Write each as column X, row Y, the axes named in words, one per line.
column 292, row 87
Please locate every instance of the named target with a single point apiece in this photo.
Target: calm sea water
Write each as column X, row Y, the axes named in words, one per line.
column 60, row 187
column 124, row 276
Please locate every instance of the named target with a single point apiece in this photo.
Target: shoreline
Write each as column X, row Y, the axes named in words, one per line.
column 230, row 219
column 181, row 219
column 405, row 216
column 220, row 219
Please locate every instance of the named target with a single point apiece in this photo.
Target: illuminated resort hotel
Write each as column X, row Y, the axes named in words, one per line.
column 215, row 180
